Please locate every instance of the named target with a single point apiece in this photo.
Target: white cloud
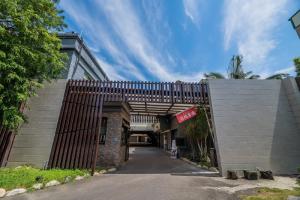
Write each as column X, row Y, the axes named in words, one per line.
column 125, row 22
column 250, row 25
column 110, row 70
column 287, row 70
column 119, row 31
column 95, row 31
column 192, row 9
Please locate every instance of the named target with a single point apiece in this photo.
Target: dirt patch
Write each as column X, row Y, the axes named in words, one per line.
column 240, row 185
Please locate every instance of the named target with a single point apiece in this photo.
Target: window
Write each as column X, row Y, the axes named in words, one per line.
column 103, row 130
column 124, row 135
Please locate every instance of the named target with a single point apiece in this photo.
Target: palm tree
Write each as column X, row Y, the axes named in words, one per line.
column 214, row 75
column 254, row 76
column 236, row 71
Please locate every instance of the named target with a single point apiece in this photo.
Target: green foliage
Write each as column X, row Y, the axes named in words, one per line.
column 297, row 66
column 26, row 176
column 29, row 53
column 214, row 75
column 279, row 76
column 272, row 194
column 197, row 132
column 197, row 127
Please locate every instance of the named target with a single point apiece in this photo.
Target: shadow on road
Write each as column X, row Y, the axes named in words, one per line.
column 152, row 160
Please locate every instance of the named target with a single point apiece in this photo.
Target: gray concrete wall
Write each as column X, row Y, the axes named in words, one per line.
column 254, row 125
column 293, row 94
column 34, row 139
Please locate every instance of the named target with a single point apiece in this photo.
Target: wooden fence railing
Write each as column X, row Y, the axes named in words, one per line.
column 155, row 92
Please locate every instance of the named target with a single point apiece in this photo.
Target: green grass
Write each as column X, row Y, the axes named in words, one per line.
column 26, row 176
column 272, row 194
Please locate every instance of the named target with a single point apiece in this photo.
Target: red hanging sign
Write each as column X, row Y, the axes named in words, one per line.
column 186, row 115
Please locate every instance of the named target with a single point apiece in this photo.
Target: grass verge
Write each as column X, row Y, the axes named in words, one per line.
column 25, row 176
column 272, row 194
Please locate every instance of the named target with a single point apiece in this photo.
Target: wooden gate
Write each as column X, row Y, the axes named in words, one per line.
column 77, row 135
column 6, row 141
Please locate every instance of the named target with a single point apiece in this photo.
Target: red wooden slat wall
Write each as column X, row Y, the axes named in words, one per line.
column 76, row 139
column 6, row 141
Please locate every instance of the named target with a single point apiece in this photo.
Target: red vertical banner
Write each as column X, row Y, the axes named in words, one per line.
column 186, row 115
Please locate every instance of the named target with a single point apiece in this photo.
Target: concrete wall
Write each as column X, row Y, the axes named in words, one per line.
column 293, row 94
column 34, row 139
column 255, row 125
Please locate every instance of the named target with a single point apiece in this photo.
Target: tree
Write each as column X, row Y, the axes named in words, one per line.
column 279, row 76
column 297, row 66
column 214, row 75
column 29, row 53
column 197, row 131
column 236, row 71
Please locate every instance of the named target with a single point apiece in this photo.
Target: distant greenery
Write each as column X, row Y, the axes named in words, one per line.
column 214, row 75
column 235, row 71
column 297, row 66
column 272, row 194
column 25, row 176
column 29, row 53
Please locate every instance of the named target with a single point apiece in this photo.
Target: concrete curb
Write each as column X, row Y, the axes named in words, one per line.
column 40, row 186
column 196, row 165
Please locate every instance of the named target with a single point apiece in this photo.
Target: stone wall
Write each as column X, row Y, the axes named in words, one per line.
column 34, row 140
column 112, row 153
column 254, row 125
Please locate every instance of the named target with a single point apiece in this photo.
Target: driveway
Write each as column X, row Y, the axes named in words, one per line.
column 150, row 174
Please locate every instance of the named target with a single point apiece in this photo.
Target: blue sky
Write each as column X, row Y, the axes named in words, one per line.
column 169, row 40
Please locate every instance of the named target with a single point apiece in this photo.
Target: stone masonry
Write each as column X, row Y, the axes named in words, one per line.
column 112, row 153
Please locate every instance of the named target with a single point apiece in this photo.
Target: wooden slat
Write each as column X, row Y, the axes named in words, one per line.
column 6, row 142
column 81, row 128
column 96, row 134
column 57, row 138
column 70, row 124
column 74, row 146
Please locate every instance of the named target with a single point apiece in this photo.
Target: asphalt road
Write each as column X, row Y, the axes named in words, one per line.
column 149, row 175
